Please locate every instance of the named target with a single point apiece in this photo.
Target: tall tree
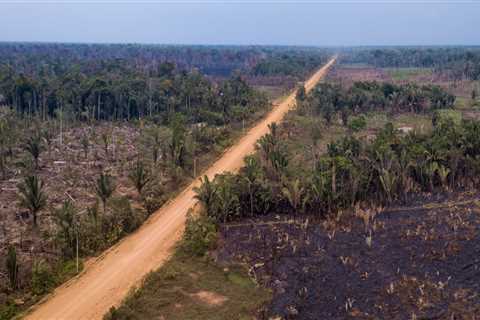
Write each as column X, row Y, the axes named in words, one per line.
column 32, row 196
column 104, row 188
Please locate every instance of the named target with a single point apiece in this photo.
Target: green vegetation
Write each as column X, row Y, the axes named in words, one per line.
column 140, row 176
column 32, row 196
column 329, row 100
column 403, row 74
column 105, row 188
column 191, row 286
column 387, row 169
column 444, row 116
column 12, row 267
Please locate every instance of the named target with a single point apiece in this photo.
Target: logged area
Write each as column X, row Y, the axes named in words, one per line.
column 104, row 283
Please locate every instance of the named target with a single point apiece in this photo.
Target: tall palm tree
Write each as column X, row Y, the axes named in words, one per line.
column 65, row 218
column 105, row 188
column 34, row 146
column 250, row 177
column 140, row 176
column 295, row 194
column 206, row 194
column 32, row 196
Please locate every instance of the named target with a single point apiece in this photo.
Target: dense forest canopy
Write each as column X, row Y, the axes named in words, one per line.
column 92, row 81
column 290, row 63
column 58, row 58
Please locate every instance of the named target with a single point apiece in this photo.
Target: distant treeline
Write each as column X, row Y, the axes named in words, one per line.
column 290, row 64
column 458, row 62
column 58, row 58
column 116, row 93
column 85, row 81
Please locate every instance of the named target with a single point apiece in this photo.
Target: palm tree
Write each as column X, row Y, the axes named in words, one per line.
column 65, row 218
column 318, row 189
column 206, row 194
column 105, row 188
column 228, row 202
column 32, row 196
column 295, row 194
column 140, row 176
column 34, row 146
column 388, row 178
column 443, row 173
column 250, row 177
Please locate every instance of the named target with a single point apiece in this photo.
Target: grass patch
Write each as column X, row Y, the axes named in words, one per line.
column 448, row 115
column 419, row 122
column 173, row 292
column 403, row 74
column 273, row 92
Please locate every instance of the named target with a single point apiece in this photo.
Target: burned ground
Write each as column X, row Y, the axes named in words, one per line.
column 418, row 261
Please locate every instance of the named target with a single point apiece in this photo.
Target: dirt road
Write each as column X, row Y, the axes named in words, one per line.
column 107, row 280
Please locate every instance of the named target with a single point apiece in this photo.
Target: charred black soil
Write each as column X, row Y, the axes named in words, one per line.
column 418, row 261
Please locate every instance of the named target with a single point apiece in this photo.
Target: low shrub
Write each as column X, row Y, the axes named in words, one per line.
column 200, row 234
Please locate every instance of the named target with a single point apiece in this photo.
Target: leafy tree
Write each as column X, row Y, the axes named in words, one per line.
column 200, row 234
column 177, row 144
column 65, row 219
column 140, row 176
column 32, row 196
column 301, row 95
column 43, row 279
column 104, row 188
column 358, row 123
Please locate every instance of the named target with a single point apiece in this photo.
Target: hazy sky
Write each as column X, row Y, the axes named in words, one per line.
column 307, row 22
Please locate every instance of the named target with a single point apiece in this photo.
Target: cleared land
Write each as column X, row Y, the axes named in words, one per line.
column 107, row 280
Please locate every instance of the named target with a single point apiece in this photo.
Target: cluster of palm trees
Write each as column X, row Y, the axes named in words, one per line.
column 330, row 100
column 388, row 169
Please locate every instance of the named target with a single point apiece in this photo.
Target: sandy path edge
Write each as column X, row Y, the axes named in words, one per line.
column 108, row 278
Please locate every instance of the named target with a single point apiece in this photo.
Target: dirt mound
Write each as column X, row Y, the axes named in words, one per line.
column 210, row 298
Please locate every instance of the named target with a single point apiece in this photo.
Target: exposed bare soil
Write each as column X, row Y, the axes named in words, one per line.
column 68, row 173
column 210, row 298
